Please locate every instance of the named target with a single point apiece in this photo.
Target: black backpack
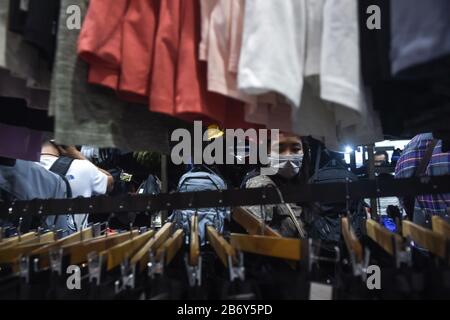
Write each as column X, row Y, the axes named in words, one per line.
column 324, row 221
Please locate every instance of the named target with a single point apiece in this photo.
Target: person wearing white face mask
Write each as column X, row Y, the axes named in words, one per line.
column 289, row 158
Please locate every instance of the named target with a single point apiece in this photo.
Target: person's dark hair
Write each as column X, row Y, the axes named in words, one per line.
column 382, row 153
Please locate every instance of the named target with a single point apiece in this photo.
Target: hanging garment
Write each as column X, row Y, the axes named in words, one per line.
column 262, row 68
column 87, row 114
column 223, row 44
column 4, row 6
column 17, row 88
column 100, row 41
column 20, row 57
column 167, row 74
column 178, row 86
column 36, row 21
column 415, row 100
column 271, row 110
column 318, row 50
column 120, row 49
column 374, row 43
column 16, row 113
column 420, row 33
column 20, row 143
column 340, row 80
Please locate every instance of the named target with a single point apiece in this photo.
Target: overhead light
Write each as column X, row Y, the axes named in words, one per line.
column 348, row 149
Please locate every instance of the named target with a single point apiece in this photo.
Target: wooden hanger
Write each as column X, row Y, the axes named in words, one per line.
column 43, row 251
column 37, row 238
column 432, row 241
column 351, row 241
column 278, row 247
column 10, row 255
column 78, row 251
column 220, row 245
column 142, row 256
column 85, row 234
column 115, row 255
column 252, row 224
column 16, row 239
column 194, row 244
column 170, row 247
column 383, row 237
column 441, row 226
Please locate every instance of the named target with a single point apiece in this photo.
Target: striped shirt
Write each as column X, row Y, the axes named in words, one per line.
column 439, row 165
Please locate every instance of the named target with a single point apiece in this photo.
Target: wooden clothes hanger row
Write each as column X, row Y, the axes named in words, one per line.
column 262, row 239
column 391, row 242
column 435, row 241
column 432, row 241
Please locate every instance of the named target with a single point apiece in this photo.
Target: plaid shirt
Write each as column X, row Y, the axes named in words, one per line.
column 439, row 165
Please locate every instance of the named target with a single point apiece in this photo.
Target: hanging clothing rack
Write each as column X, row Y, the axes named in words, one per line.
column 330, row 192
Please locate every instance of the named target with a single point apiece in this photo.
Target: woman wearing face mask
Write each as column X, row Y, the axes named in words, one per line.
column 289, row 158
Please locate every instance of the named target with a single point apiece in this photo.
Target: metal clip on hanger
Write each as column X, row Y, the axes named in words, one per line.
column 24, row 267
column 193, row 260
column 96, row 229
column 314, row 256
column 194, row 272
column 155, row 267
column 94, row 267
column 55, row 255
column 238, row 271
column 128, row 272
column 401, row 255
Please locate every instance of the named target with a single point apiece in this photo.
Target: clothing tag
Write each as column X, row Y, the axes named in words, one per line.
column 319, row 291
column 24, row 5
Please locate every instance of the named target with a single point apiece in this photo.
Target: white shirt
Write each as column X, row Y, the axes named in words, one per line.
column 85, row 180
column 308, row 51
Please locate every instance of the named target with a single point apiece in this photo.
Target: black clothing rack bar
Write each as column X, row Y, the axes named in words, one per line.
column 327, row 192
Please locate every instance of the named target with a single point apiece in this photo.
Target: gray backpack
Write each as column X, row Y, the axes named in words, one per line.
column 205, row 180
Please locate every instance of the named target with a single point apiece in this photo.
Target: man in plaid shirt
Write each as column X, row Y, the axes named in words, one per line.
column 425, row 205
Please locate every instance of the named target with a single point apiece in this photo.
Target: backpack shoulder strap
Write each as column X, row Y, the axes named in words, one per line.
column 60, row 167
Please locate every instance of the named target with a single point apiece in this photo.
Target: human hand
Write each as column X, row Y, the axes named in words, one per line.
column 71, row 152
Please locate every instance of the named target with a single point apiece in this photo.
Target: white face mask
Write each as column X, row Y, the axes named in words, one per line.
column 286, row 166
